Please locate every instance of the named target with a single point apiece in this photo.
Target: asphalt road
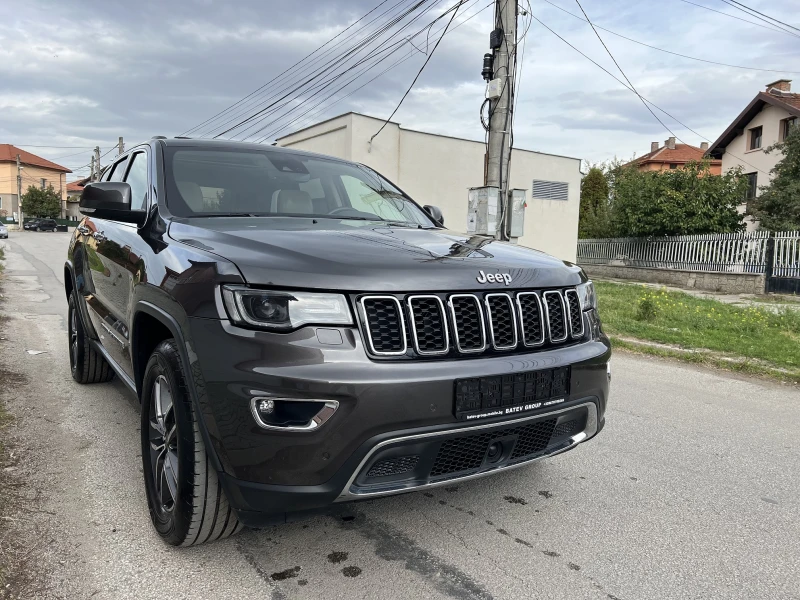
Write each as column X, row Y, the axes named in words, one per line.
column 691, row 491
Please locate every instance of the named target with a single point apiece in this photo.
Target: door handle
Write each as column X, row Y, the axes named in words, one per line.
column 83, row 229
column 98, row 235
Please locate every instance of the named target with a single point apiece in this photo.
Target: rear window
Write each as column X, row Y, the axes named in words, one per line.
column 208, row 182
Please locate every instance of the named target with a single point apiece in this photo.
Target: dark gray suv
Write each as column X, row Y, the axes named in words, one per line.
column 301, row 333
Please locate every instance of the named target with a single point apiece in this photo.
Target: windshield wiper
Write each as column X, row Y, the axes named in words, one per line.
column 232, row 214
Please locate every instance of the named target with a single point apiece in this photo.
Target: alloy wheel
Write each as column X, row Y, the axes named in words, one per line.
column 73, row 339
column 163, row 436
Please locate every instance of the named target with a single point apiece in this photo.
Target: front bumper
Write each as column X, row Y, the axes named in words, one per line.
column 384, row 408
column 445, row 456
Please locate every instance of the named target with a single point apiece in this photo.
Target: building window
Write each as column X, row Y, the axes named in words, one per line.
column 673, row 166
column 44, row 183
column 755, row 138
column 550, row 190
column 752, row 186
column 786, row 127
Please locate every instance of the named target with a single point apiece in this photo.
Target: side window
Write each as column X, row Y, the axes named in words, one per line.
column 137, row 178
column 118, row 172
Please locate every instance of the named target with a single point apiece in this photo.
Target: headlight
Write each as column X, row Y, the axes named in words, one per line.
column 587, row 296
column 284, row 310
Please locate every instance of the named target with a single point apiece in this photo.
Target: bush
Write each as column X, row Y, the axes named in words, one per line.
column 647, row 308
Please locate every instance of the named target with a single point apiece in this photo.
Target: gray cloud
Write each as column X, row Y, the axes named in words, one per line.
column 82, row 73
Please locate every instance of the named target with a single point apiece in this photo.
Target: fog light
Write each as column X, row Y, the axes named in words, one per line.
column 292, row 414
column 266, row 407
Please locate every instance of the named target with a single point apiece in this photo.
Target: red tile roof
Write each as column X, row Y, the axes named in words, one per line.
column 682, row 153
column 76, row 186
column 8, row 153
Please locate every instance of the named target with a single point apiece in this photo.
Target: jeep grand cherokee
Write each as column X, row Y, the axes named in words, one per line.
column 300, row 332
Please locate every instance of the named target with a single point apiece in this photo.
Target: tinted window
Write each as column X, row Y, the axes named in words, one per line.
column 118, row 172
column 204, row 182
column 137, row 179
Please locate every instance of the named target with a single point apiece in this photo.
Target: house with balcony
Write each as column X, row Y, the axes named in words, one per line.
column 765, row 121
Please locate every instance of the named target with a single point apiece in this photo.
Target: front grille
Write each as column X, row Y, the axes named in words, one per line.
column 385, row 328
column 565, row 428
column 575, row 313
column 428, row 322
column 420, row 325
column 502, row 324
column 393, row 466
column 530, row 313
column 468, row 321
column 467, row 453
column 556, row 319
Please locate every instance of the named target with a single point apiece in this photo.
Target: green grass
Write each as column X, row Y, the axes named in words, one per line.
column 763, row 337
column 776, row 299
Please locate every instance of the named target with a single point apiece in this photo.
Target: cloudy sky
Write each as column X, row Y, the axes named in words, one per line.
column 80, row 73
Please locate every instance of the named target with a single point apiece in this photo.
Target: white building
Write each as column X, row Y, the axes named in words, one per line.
column 764, row 122
column 439, row 170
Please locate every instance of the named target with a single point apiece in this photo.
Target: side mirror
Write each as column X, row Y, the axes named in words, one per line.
column 110, row 200
column 435, row 212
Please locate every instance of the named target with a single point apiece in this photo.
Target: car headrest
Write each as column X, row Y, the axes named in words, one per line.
column 295, row 202
column 192, row 195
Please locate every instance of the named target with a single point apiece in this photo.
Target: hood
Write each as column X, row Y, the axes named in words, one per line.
column 355, row 256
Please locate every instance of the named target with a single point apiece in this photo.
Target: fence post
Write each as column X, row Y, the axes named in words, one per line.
column 769, row 257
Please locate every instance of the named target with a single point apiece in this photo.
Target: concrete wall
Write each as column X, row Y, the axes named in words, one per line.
column 439, row 170
column 725, row 283
column 759, row 161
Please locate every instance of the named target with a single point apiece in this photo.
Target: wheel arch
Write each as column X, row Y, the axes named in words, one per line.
column 151, row 325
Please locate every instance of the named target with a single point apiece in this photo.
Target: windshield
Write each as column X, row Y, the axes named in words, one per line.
column 226, row 182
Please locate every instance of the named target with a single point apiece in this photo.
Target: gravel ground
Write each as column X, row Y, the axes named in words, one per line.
column 689, row 492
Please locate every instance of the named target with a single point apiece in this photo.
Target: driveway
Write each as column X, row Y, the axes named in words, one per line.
column 691, row 491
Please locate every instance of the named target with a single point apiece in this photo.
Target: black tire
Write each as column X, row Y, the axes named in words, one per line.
column 187, row 504
column 86, row 364
column 38, row 229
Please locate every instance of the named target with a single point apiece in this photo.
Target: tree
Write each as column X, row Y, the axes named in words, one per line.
column 37, row 202
column 777, row 208
column 594, row 211
column 676, row 202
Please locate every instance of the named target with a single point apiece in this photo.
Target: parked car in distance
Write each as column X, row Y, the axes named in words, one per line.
column 46, row 225
column 31, row 224
column 3, row 231
column 300, row 332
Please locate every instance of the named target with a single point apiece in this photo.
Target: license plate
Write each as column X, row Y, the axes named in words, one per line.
column 484, row 397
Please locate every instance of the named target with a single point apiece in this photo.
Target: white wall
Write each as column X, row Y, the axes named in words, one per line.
column 439, row 170
column 757, row 161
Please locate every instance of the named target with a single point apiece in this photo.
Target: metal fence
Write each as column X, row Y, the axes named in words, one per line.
column 729, row 252
column 786, row 260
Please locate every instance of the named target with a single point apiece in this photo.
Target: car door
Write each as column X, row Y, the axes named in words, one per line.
column 118, row 249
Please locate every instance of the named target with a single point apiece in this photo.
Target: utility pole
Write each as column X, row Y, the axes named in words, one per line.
column 19, row 194
column 501, row 108
column 97, row 163
column 121, row 146
column 91, row 168
column 495, row 209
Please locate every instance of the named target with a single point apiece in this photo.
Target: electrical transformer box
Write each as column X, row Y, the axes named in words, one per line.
column 517, row 218
column 483, row 210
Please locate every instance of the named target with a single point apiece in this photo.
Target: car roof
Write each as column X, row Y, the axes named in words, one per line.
column 234, row 145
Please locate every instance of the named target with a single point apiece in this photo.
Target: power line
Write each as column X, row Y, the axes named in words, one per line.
column 752, row 11
column 316, row 113
column 712, row 62
column 737, row 18
column 239, row 102
column 601, row 67
column 650, row 110
column 60, row 147
column 422, row 68
column 325, row 83
column 356, row 46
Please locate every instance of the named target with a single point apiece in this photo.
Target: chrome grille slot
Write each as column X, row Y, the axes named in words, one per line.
column 575, row 313
column 428, row 325
column 385, row 326
column 470, row 330
column 502, row 321
column 530, row 316
column 555, row 312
